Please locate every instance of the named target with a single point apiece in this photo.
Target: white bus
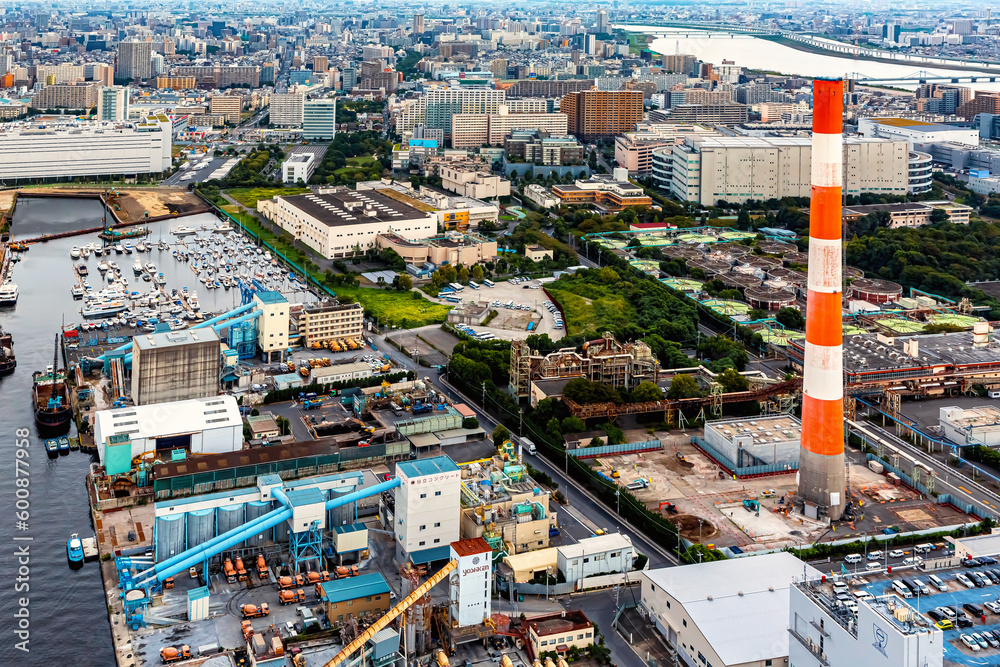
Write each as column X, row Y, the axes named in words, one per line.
column 488, row 282
column 473, row 284
column 456, row 287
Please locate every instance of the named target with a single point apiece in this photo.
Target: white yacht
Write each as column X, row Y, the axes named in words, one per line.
column 8, row 294
column 74, row 252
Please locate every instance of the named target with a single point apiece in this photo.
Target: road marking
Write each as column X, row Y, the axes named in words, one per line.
column 965, row 489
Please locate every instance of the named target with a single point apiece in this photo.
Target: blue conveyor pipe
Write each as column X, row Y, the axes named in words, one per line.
column 201, row 553
column 206, row 550
column 200, row 325
column 216, row 328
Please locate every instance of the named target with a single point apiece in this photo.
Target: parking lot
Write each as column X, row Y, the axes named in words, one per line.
column 957, row 595
column 517, row 302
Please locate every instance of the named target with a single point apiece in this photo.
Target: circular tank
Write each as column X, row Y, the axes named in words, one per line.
column 169, row 536
column 200, row 527
column 734, row 249
column 796, row 257
column 683, row 252
column 763, row 262
column 281, row 532
column 853, row 273
column 740, row 280
column 767, row 298
column 776, row 247
column 779, row 273
column 257, row 509
column 343, row 515
column 711, row 266
column 875, row 291
column 229, row 517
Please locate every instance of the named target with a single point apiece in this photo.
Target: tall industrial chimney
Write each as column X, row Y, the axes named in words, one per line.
column 822, row 477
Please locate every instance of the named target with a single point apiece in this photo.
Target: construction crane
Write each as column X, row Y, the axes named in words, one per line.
column 393, row 613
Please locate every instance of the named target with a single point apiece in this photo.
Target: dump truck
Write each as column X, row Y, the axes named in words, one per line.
column 229, row 571
column 291, row 582
column 175, row 653
column 315, row 577
column 345, row 571
column 241, row 572
column 311, row 404
column 261, row 567
column 291, row 597
column 253, row 611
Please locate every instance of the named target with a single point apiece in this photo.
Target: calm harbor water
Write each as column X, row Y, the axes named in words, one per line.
column 761, row 54
column 68, row 613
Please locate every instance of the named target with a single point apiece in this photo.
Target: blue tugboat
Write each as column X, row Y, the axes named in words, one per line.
column 63, row 444
column 52, row 447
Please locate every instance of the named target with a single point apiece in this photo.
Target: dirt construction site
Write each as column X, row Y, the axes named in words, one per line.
column 133, row 204
column 706, row 502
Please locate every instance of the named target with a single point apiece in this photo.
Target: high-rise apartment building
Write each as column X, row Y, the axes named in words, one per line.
column 286, row 109
column 66, row 96
column 418, row 24
column 437, row 106
column 135, row 60
column 593, row 114
column 321, row 64
column 983, row 102
column 230, row 106
column 112, row 103
column 498, row 68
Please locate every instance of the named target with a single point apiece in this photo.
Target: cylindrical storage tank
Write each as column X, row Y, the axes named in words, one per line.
column 281, row 532
column 255, row 510
column 795, row 257
column 343, row 515
column 766, row 298
column 763, row 262
column 169, row 536
column 875, row 291
column 229, row 517
column 853, row 273
column 200, row 526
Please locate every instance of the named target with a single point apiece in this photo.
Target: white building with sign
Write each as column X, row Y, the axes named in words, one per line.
column 428, row 507
column 469, row 594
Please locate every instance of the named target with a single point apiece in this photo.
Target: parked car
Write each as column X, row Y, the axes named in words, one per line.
column 993, row 607
column 897, row 553
column 935, row 614
column 971, row 643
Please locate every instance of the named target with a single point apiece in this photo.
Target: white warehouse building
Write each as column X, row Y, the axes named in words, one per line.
column 84, row 148
column 746, row 442
column 971, row 426
column 592, row 556
column 201, row 426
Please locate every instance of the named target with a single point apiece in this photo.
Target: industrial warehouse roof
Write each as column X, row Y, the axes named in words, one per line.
column 740, row 606
column 430, row 555
column 354, row 208
column 432, row 466
column 982, row 545
column 595, row 545
column 166, row 419
column 170, row 338
column 305, row 497
column 352, row 588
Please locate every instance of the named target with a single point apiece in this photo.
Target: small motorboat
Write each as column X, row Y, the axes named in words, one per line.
column 74, row 252
column 63, row 443
column 52, row 447
column 74, row 550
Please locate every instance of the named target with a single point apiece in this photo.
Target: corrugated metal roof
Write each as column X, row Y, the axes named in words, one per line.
column 733, row 605
column 432, row 466
column 353, row 588
column 430, row 555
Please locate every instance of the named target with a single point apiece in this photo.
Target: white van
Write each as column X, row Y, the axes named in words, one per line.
column 913, row 560
column 872, row 566
column 922, row 587
column 937, row 583
column 902, row 589
column 852, row 558
column 923, row 548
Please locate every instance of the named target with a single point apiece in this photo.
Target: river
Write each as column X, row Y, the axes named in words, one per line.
column 68, row 614
column 761, row 54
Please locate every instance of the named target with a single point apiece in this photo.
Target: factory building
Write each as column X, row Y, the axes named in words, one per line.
column 602, row 360
column 593, row 556
column 728, row 612
column 886, row 630
column 272, row 325
column 454, row 212
column 744, row 443
column 603, row 192
column 341, row 223
column 738, row 169
column 200, row 426
column 917, row 131
column 971, row 426
column 360, row 596
column 427, row 507
column 175, row 366
column 84, row 148
column 875, row 291
column 453, row 248
column 185, row 522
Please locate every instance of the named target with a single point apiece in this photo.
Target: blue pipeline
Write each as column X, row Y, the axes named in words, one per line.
column 216, row 328
column 196, row 555
column 200, row 325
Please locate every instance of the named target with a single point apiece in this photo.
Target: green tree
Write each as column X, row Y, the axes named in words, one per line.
column 405, row 282
column 939, row 215
column 743, row 220
column 463, row 275
column 647, row 392
column 477, row 273
column 500, row 433
column 683, row 385
column 595, row 442
column 573, row 425
column 609, row 276
column 791, row 318
column 616, row 436
column 732, row 381
column 553, row 429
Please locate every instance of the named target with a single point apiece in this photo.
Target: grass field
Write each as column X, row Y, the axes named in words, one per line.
column 356, row 163
column 596, row 313
column 398, row 308
column 249, row 196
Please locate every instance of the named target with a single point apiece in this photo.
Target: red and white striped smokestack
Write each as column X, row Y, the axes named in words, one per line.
column 822, row 477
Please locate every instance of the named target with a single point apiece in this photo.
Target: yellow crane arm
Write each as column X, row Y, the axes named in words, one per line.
column 391, row 615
